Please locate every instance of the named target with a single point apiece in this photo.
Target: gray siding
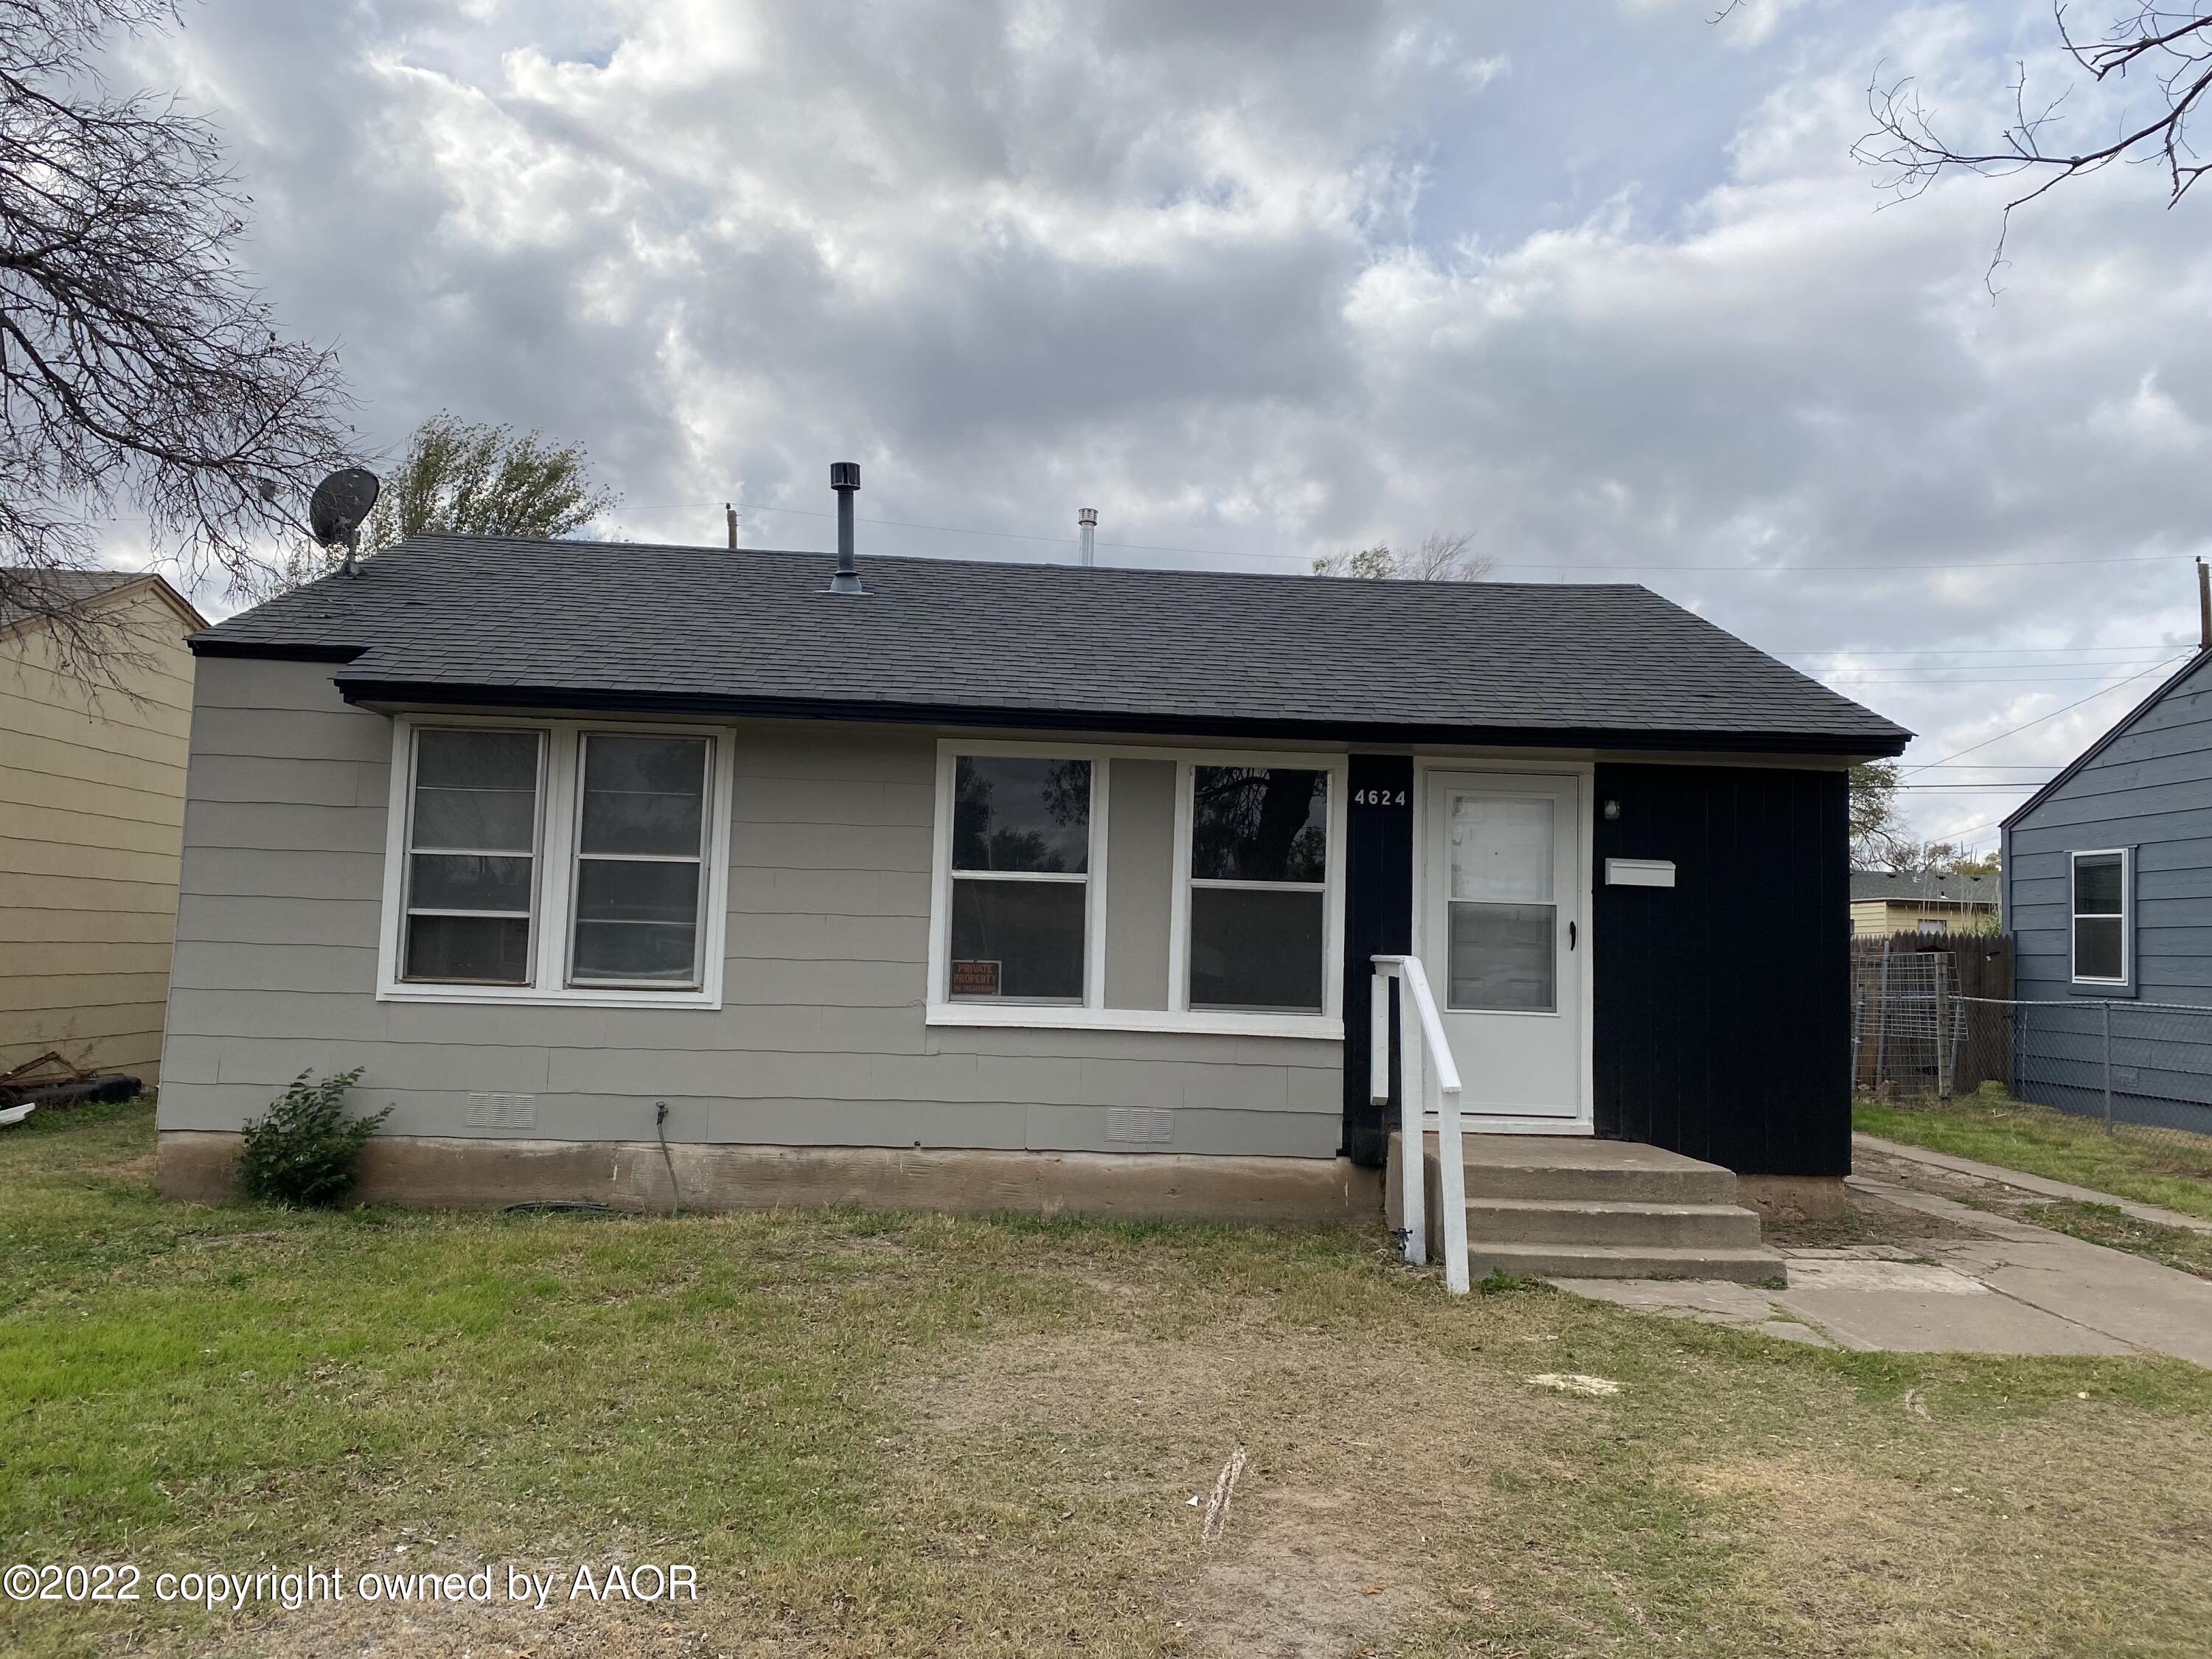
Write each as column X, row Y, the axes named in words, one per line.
column 1140, row 840
column 820, row 1040
column 2151, row 790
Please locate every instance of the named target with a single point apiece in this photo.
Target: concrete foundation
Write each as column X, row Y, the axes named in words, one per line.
column 1792, row 1198
column 472, row 1173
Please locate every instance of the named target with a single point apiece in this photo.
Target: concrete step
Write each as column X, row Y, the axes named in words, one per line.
column 1743, row 1266
column 1586, row 1221
column 1560, row 1167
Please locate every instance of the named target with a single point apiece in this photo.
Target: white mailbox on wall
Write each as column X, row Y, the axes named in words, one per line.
column 1639, row 873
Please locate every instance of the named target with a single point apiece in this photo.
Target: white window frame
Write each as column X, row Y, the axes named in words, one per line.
column 554, row 876
column 2124, row 916
column 1094, row 1014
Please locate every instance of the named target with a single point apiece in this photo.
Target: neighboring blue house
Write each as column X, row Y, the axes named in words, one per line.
column 2108, row 898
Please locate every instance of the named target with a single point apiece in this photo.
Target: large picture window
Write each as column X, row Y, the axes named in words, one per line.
column 1259, row 871
column 553, row 861
column 1020, row 878
column 2101, row 917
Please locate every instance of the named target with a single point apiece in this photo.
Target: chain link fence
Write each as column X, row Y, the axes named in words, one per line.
column 2145, row 1067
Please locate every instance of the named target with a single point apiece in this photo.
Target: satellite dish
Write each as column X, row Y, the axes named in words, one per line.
column 341, row 501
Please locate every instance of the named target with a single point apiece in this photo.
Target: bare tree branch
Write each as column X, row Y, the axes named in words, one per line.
column 138, row 368
column 2170, row 49
column 1440, row 558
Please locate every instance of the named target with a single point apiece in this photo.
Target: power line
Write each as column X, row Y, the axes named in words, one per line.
column 2053, row 715
column 1497, row 564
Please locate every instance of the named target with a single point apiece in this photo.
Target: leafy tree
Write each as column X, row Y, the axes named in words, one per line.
column 306, row 1151
column 470, row 479
column 483, row 480
column 138, row 369
column 1440, row 558
column 1876, row 824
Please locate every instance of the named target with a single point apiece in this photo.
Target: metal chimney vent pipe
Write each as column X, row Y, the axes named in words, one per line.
column 1087, row 527
column 845, row 478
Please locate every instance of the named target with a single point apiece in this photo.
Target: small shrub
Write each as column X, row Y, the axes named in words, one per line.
column 306, row 1151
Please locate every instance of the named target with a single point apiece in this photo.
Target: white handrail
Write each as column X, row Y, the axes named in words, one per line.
column 1421, row 1018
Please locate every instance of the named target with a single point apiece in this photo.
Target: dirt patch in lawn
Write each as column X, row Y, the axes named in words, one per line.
column 1867, row 1219
column 1298, row 1586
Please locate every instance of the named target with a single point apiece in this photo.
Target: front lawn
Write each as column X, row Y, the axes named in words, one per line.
column 2167, row 1168
column 910, row 1435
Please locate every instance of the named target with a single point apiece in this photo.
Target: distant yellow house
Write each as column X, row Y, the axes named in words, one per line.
column 92, row 787
column 1883, row 903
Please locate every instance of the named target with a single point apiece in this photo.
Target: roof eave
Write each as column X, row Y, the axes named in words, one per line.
column 372, row 693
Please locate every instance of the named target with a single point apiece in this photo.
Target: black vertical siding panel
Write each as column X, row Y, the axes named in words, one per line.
column 1378, row 918
column 1721, row 1024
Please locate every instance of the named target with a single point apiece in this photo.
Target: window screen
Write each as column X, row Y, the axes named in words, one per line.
column 640, row 857
column 471, row 856
column 1021, row 863
column 2101, row 920
column 1504, row 919
column 1258, row 864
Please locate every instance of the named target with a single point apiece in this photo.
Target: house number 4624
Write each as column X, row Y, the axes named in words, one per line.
column 1378, row 798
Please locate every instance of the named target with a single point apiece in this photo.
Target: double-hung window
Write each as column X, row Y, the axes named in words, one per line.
column 640, row 854
column 552, row 861
column 2100, row 907
column 1020, row 878
column 1259, row 888
column 472, row 855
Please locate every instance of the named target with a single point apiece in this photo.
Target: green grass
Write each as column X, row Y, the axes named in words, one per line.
column 896, row 1434
column 1993, row 1128
column 2109, row 1225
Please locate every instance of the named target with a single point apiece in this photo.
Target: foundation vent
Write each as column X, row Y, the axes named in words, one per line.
column 1140, row 1125
column 501, row 1112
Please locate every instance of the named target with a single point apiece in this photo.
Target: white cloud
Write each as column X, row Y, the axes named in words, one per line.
column 1271, row 279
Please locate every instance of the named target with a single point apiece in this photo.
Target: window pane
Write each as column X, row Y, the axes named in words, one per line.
column 1019, row 814
column 1017, row 939
column 2097, row 886
column 643, row 794
column 2097, row 952
column 1503, row 957
column 448, row 758
column 636, row 920
column 1254, row 949
column 1259, row 823
column 493, row 950
column 1501, row 850
column 459, row 881
column 476, row 791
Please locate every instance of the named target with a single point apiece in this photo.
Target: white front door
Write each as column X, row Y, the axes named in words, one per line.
column 1502, row 936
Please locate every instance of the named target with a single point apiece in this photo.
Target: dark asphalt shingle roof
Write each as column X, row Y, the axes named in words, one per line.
column 1917, row 889
column 465, row 618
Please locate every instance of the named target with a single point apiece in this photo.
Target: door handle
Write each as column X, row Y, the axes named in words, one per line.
column 1570, row 936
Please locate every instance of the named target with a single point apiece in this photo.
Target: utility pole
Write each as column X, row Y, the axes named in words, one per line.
column 2203, row 607
column 729, row 512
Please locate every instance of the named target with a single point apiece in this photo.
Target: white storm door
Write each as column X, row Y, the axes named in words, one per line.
column 1502, row 936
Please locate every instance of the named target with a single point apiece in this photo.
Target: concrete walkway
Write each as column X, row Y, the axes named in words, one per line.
column 1990, row 1286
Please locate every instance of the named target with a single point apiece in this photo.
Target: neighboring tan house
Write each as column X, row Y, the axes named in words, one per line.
column 92, row 802
column 1883, row 903
column 1000, row 885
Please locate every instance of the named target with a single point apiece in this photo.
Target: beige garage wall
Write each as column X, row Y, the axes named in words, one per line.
column 92, row 794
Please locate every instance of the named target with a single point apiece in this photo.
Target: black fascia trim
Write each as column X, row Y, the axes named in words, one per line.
column 215, row 645
column 370, row 692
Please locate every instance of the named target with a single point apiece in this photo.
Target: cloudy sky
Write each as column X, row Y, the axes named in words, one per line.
column 1261, row 279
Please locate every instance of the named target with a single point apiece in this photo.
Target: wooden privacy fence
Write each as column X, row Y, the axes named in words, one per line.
column 1914, row 1027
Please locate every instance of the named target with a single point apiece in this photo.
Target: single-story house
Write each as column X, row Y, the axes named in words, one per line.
column 1884, row 903
column 2108, row 898
column 92, row 806
column 995, row 885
